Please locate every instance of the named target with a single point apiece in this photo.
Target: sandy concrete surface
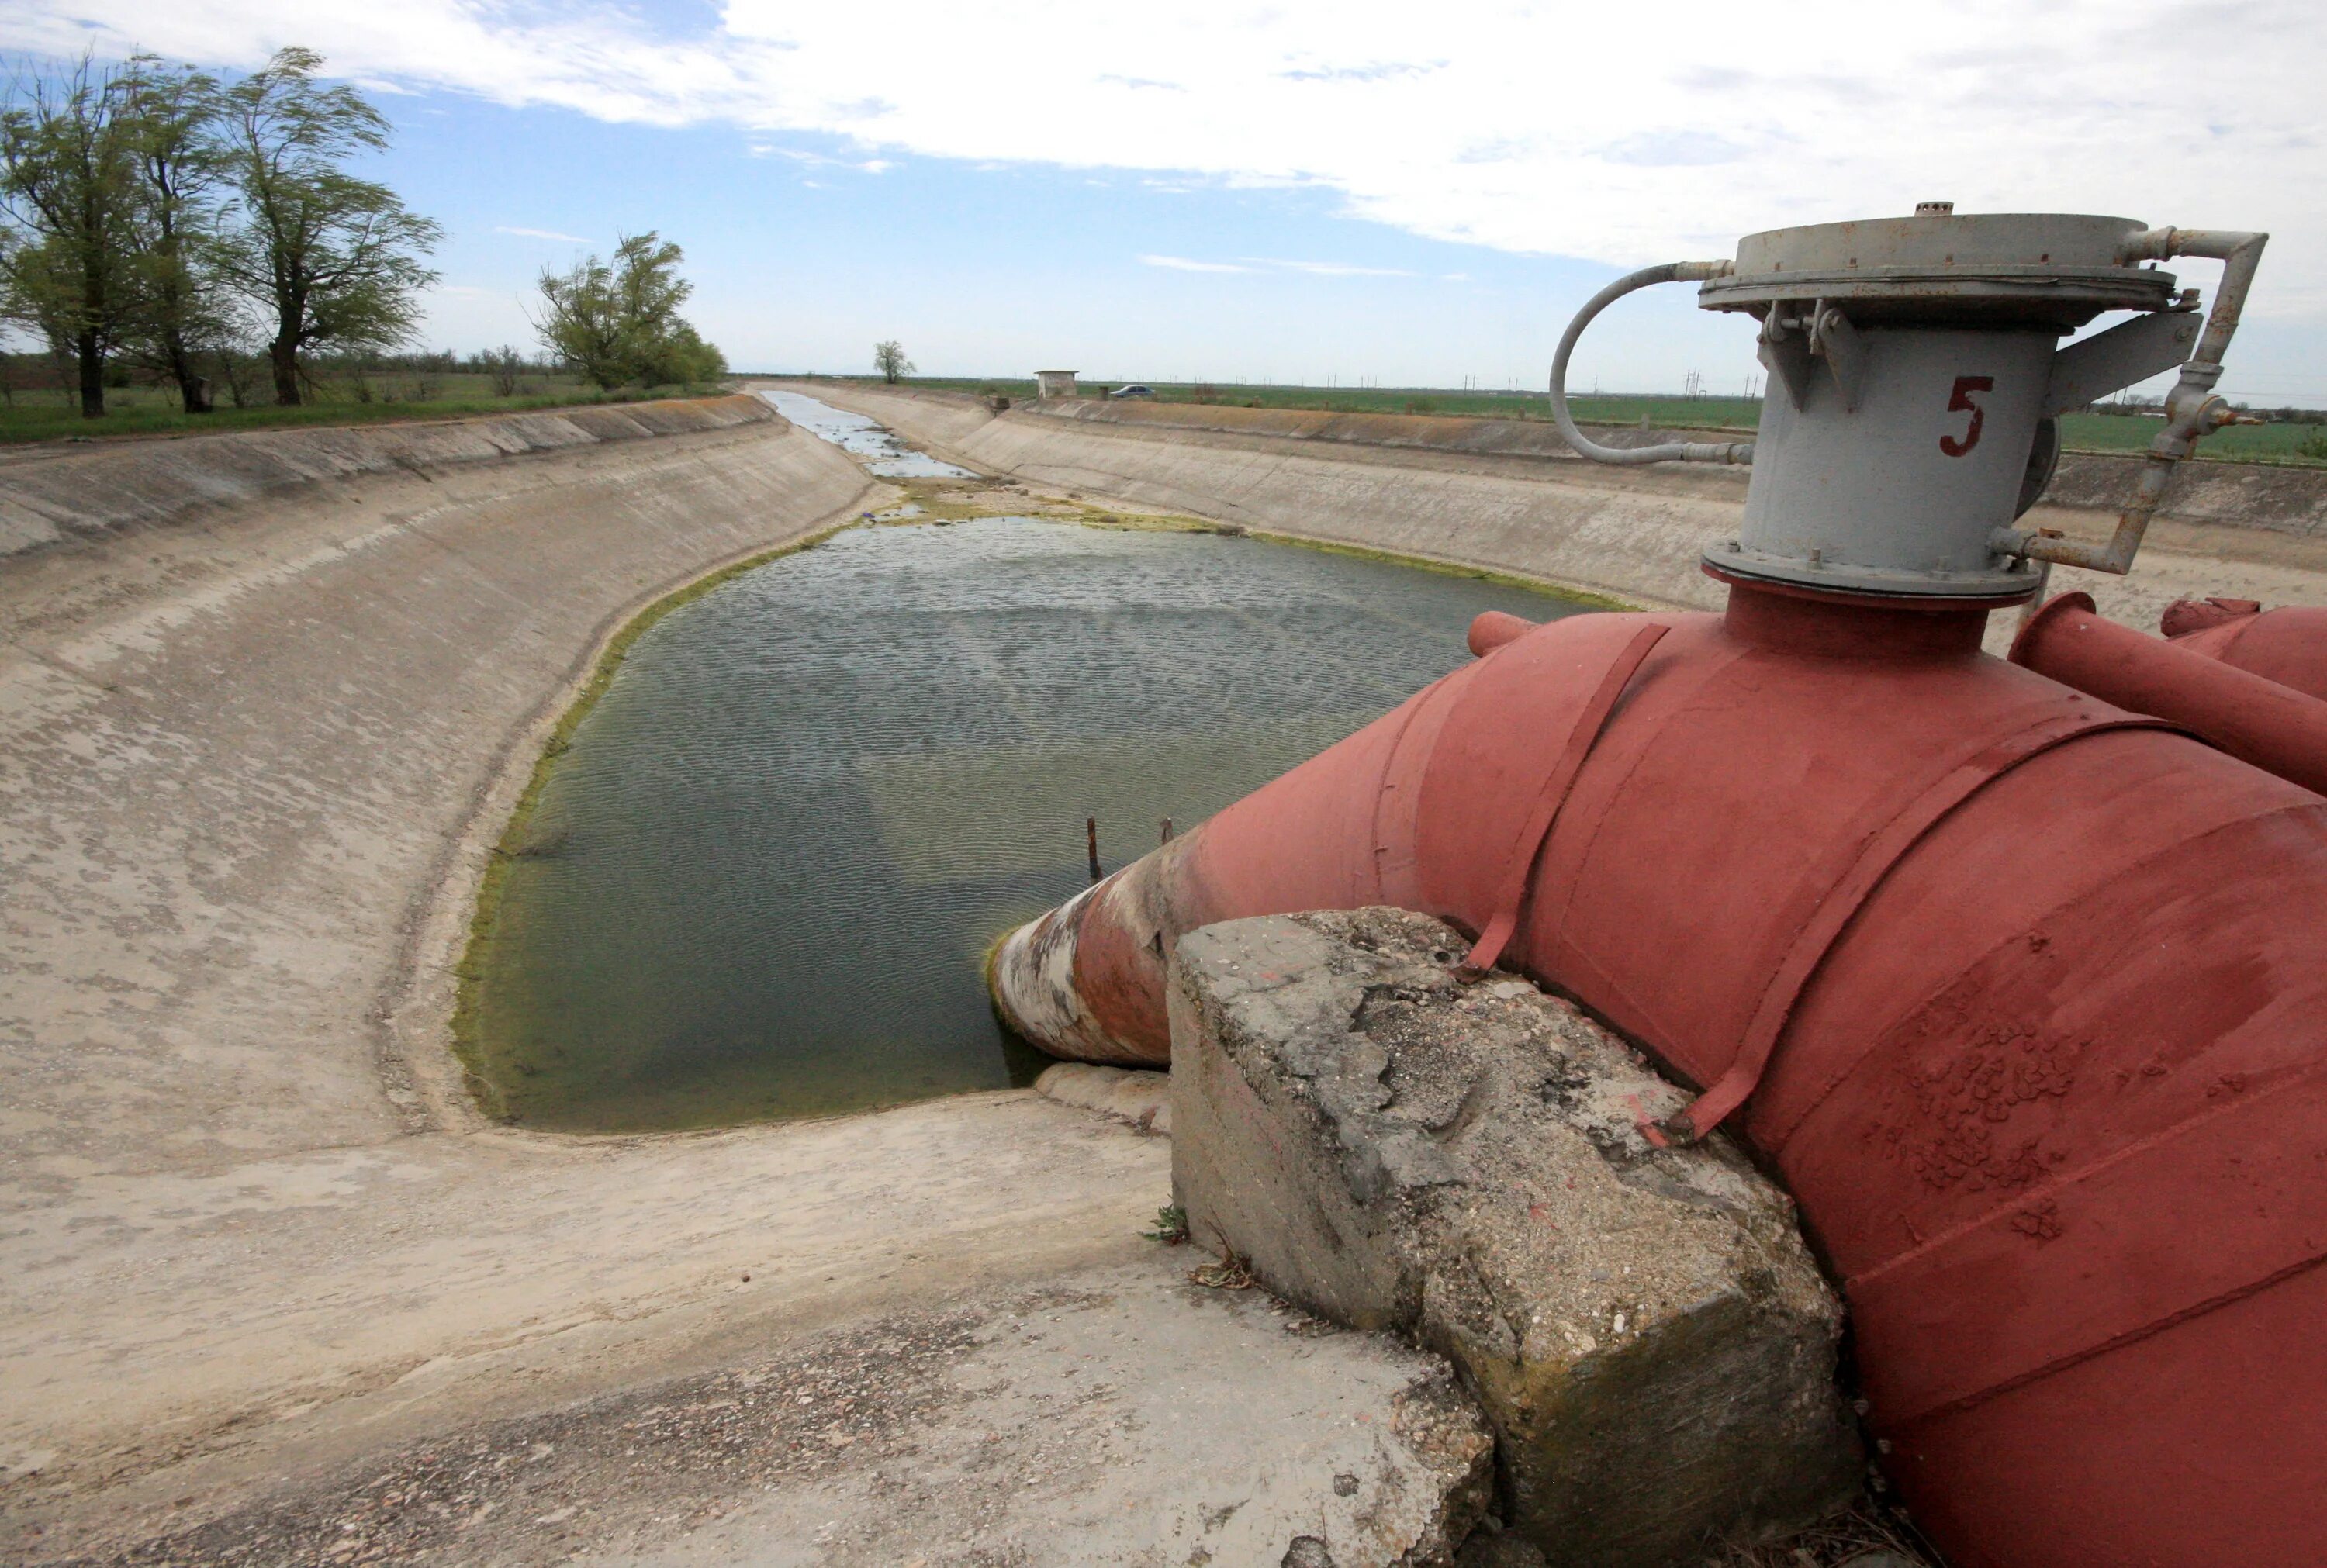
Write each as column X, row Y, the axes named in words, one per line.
column 76, row 491
column 1119, row 1414
column 1634, row 533
column 240, row 747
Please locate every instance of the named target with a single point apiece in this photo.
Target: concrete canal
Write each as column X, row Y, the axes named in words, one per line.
column 760, row 881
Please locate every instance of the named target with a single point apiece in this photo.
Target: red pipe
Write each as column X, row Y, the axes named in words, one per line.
column 2287, row 645
column 1493, row 629
column 2019, row 992
column 2273, row 726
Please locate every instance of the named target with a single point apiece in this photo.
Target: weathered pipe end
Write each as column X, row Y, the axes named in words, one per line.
column 2185, row 616
column 1079, row 1007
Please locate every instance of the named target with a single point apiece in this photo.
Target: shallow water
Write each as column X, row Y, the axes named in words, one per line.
column 762, row 881
column 891, row 458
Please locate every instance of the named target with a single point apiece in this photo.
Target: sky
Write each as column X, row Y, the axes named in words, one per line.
column 1300, row 192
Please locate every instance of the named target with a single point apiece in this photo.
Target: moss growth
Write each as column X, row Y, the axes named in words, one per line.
column 516, row 840
column 1446, row 569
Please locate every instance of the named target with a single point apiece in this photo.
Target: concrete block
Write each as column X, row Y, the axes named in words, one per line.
column 1140, row 1098
column 1394, row 1148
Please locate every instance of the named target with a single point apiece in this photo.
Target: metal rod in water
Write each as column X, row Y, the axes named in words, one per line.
column 1090, row 837
column 1167, row 830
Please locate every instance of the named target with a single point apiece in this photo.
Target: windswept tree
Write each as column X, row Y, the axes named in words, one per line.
column 328, row 260
column 67, row 179
column 173, row 224
column 618, row 323
column 888, row 359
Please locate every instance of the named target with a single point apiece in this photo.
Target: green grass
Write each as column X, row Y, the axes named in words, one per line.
column 45, row 416
column 2280, row 443
column 2273, row 443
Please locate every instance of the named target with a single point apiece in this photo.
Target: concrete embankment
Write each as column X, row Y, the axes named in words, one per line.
column 271, row 1291
column 1504, row 495
column 67, row 491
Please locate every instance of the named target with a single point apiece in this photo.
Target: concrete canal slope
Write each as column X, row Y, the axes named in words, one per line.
column 1505, row 495
column 248, row 714
column 265, row 702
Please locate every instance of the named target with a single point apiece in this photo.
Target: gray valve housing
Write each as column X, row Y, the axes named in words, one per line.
column 1915, row 376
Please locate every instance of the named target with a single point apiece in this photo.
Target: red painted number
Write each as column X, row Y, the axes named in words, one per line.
column 1956, row 446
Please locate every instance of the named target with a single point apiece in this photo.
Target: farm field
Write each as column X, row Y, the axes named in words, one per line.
column 2274, row 442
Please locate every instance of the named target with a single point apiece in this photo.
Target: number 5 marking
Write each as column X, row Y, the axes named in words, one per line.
column 1956, row 446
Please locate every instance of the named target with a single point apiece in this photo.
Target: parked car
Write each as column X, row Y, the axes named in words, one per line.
column 1134, row 390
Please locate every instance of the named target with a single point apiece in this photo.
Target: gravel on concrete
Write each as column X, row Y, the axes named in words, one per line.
column 1121, row 1417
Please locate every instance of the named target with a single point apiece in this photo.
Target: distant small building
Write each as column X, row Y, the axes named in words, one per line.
column 1050, row 384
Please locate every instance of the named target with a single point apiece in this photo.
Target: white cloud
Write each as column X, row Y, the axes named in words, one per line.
column 1565, row 129
column 1182, row 264
column 539, row 233
column 818, row 160
column 1273, row 264
column 1333, row 268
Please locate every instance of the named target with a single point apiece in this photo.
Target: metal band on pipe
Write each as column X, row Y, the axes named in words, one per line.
column 1878, row 857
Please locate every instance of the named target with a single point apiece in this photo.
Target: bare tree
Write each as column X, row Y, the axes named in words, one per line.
column 505, row 365
column 888, row 359
column 331, row 260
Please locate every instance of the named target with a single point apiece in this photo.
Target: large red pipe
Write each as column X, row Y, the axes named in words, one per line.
column 2020, row 994
column 2256, row 720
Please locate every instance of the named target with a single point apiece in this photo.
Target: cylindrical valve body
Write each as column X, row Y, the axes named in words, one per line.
column 1904, row 490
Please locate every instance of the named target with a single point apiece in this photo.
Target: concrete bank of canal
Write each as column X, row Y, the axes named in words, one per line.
column 1504, row 495
column 270, row 1288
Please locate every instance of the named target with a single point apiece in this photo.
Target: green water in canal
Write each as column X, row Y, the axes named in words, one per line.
column 760, row 881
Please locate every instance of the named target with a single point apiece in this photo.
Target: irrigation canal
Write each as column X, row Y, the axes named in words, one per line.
column 760, row 881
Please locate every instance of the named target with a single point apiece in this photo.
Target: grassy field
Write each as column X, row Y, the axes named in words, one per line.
column 47, row 416
column 2280, row 444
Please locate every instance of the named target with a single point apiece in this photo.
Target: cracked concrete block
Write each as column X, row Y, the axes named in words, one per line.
column 1394, row 1148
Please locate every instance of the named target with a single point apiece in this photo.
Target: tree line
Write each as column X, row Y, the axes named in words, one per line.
column 156, row 221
